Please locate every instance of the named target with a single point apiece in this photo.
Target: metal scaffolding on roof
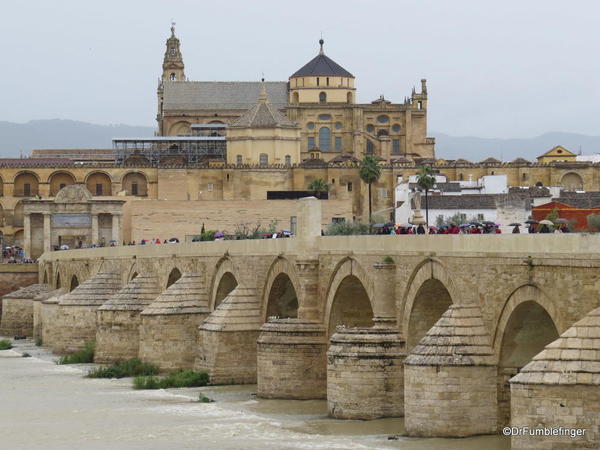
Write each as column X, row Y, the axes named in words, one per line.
column 195, row 149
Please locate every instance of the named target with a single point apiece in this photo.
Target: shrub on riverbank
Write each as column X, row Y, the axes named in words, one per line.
column 181, row 378
column 130, row 368
column 83, row 356
column 203, row 399
column 5, row 344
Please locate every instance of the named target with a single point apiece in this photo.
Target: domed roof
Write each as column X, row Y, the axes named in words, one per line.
column 322, row 65
column 459, row 338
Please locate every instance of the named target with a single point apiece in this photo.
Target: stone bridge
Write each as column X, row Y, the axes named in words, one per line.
column 470, row 310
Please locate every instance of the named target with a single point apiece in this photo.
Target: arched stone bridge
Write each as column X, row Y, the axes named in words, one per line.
column 527, row 288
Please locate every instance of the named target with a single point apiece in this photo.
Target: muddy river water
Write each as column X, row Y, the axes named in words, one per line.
column 47, row 406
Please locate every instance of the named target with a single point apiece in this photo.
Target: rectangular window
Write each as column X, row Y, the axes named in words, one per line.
column 293, row 224
column 462, row 216
column 99, row 189
column 27, row 189
column 395, row 145
column 134, row 189
column 338, row 220
column 210, row 187
column 338, row 143
column 239, row 159
column 479, row 216
column 311, row 143
column 383, row 192
column 349, row 186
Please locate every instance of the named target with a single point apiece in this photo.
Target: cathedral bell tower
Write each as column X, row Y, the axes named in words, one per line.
column 173, row 61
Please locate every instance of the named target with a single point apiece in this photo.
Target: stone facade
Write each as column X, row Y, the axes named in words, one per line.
column 169, row 334
column 365, row 374
column 291, row 360
column 450, row 378
column 228, row 338
column 75, row 320
column 17, row 310
column 38, row 317
column 118, row 320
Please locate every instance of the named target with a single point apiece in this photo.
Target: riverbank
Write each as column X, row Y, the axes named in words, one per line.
column 44, row 405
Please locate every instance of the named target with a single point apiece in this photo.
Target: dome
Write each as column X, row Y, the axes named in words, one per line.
column 322, row 65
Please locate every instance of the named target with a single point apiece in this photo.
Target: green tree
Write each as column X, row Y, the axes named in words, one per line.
column 553, row 215
column 370, row 171
column 318, row 186
column 593, row 221
column 426, row 180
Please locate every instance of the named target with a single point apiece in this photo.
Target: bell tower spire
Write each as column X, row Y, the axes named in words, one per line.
column 173, row 61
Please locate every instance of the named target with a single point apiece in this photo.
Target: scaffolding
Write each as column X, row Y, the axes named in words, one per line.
column 195, row 149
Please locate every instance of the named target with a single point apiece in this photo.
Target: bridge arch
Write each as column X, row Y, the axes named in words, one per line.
column 350, row 295
column 74, row 283
column 429, row 293
column 225, row 280
column 280, row 293
column 174, row 275
column 528, row 322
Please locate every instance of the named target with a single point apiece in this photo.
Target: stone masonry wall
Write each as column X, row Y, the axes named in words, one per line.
column 453, row 401
column 170, row 341
column 117, row 336
column 17, row 317
column 569, row 406
column 73, row 327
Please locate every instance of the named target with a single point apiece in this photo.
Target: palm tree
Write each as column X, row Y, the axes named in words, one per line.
column 426, row 180
column 370, row 171
column 318, row 186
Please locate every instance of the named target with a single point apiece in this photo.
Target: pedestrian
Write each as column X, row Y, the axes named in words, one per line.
column 420, row 229
column 516, row 230
column 544, row 229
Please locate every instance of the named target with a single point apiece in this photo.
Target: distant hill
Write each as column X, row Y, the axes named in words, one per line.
column 16, row 138
column 56, row 133
column 477, row 149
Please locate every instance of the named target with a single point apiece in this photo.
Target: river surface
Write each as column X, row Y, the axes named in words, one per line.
column 47, row 406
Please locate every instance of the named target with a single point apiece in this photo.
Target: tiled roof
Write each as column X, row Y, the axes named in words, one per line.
column 459, row 338
column 470, row 201
column 533, row 191
column 491, row 160
column 263, row 115
column 574, row 358
column 344, row 157
column 193, row 95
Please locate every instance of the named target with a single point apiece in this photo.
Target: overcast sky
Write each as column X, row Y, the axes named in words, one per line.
column 494, row 69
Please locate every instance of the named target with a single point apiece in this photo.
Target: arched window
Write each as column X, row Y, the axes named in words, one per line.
column 324, row 138
column 322, row 97
column 349, row 97
column 382, row 133
column 369, row 147
column 524, row 176
column 173, row 77
column 295, row 98
column 460, row 177
column 239, row 159
column 264, row 159
column 288, row 160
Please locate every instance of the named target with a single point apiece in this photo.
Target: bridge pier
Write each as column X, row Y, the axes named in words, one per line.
column 365, row 373
column 291, row 359
column 560, row 387
column 169, row 329
column 228, row 337
column 118, row 320
column 37, row 311
column 75, row 322
column 17, row 310
column 48, row 314
column 450, row 378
